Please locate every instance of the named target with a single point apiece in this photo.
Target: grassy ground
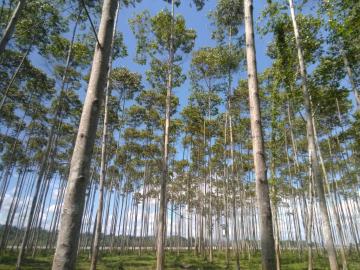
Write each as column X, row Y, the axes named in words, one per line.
column 131, row 261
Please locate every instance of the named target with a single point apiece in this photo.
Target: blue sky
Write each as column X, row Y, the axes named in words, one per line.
column 197, row 20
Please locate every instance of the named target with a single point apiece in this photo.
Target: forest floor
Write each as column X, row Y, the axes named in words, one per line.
column 184, row 260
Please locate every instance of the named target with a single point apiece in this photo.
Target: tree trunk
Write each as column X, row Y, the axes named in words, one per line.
column 314, row 163
column 262, row 188
column 333, row 203
column 160, row 254
column 68, row 238
column 97, row 237
column 233, row 181
column 225, row 198
column 35, row 198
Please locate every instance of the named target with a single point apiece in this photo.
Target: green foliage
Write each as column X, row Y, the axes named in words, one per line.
column 158, row 35
column 44, row 20
column 125, row 82
column 228, row 18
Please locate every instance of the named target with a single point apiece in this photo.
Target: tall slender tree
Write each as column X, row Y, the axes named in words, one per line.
column 262, row 187
column 67, row 243
column 163, row 36
column 314, row 162
column 103, row 166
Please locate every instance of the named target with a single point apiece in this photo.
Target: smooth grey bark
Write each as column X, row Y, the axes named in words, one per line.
column 10, row 28
column 314, row 162
column 142, row 210
column 262, row 188
column 68, row 238
column 110, row 191
column 103, row 166
column 209, row 174
column 160, row 253
column 225, row 198
column 309, row 224
column 237, row 254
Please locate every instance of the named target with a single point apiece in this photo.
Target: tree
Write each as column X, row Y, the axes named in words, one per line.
column 67, row 243
column 343, row 20
column 314, row 163
column 208, row 67
column 262, row 188
column 103, row 167
column 211, row 203
column 229, row 16
column 157, row 39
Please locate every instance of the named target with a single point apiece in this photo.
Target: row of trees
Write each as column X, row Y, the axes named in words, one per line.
column 266, row 162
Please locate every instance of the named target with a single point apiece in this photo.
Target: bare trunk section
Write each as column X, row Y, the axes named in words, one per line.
column 68, row 238
column 314, row 163
column 35, row 198
column 309, row 224
column 97, row 237
column 237, row 254
column 160, row 245
column 333, row 203
column 226, row 197
column 262, row 188
column 160, row 254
